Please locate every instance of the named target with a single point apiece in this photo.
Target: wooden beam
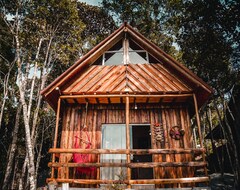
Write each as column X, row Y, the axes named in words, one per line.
column 160, row 100
column 131, row 165
column 139, row 181
column 199, row 130
column 129, row 151
column 166, row 164
column 198, row 120
column 128, row 138
column 56, row 133
column 170, row 180
column 126, row 95
column 97, row 100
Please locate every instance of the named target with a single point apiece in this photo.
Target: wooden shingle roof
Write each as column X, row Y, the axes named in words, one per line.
column 166, row 77
column 135, row 78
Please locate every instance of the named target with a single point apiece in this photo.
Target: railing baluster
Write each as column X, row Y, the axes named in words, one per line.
column 67, row 166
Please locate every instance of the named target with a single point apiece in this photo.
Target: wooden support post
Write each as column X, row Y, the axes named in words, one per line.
column 198, row 120
column 128, row 140
column 199, row 130
column 56, row 134
column 153, row 144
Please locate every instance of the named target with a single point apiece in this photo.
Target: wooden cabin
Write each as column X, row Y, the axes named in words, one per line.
column 123, row 118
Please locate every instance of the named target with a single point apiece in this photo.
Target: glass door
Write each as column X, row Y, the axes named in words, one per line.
column 113, row 137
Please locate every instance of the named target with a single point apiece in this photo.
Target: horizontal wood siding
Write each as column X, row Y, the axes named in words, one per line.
column 74, row 120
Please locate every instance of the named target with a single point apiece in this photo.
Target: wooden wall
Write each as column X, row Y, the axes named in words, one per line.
column 74, row 118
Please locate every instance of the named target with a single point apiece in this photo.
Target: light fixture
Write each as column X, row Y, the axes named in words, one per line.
column 126, row 89
column 135, row 106
column 58, row 89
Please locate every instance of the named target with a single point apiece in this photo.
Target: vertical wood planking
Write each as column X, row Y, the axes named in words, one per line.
column 97, row 115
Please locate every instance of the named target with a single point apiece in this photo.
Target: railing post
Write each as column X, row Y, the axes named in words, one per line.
column 199, row 130
column 56, row 134
column 128, row 141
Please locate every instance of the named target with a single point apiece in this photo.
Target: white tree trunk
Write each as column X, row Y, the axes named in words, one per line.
column 22, row 86
column 5, row 90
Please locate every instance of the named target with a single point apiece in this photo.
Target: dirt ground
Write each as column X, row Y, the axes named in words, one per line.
column 225, row 182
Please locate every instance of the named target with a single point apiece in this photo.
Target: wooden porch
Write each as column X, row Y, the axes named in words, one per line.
column 69, row 166
column 166, row 161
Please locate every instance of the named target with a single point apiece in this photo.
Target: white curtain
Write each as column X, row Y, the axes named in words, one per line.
column 113, row 137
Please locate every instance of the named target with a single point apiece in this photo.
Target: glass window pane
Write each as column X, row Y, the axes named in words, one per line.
column 113, row 137
column 137, row 57
column 113, row 58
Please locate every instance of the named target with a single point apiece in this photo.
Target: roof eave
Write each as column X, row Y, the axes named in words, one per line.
column 81, row 62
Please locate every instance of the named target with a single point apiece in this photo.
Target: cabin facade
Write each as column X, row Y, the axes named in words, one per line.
column 123, row 118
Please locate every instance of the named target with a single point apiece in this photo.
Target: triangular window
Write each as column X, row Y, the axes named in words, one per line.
column 126, row 51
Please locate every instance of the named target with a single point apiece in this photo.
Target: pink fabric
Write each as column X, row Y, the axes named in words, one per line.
column 83, row 158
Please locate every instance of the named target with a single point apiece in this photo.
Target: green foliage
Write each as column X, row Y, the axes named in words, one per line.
column 57, row 21
column 206, row 32
column 148, row 16
column 98, row 24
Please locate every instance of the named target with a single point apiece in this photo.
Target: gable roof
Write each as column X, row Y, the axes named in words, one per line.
column 114, row 79
column 176, row 78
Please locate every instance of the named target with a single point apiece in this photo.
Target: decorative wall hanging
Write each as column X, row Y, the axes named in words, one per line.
column 158, row 132
column 83, row 158
column 176, row 132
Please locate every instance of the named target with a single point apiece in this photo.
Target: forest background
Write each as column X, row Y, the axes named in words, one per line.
column 40, row 39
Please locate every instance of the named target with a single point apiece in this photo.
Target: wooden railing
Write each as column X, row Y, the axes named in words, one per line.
column 55, row 165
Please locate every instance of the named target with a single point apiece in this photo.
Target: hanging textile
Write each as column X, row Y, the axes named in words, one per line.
column 83, row 158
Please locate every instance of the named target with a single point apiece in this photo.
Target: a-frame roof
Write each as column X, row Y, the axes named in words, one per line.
column 165, row 77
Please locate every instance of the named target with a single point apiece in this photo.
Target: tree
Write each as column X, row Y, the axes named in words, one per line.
column 207, row 33
column 43, row 33
column 98, row 24
column 44, row 38
column 148, row 16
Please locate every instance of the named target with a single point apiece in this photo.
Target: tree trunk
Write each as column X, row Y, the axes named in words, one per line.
column 236, row 167
column 5, row 92
column 224, row 133
column 209, row 120
column 29, row 148
column 12, row 150
column 40, row 151
column 34, row 77
column 14, row 178
column 21, row 179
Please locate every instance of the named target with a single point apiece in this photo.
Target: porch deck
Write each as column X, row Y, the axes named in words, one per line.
column 61, row 172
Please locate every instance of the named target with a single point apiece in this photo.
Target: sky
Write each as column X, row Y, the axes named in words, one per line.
column 92, row 2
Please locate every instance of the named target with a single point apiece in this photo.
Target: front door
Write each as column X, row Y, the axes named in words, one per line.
column 141, row 139
column 114, row 137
